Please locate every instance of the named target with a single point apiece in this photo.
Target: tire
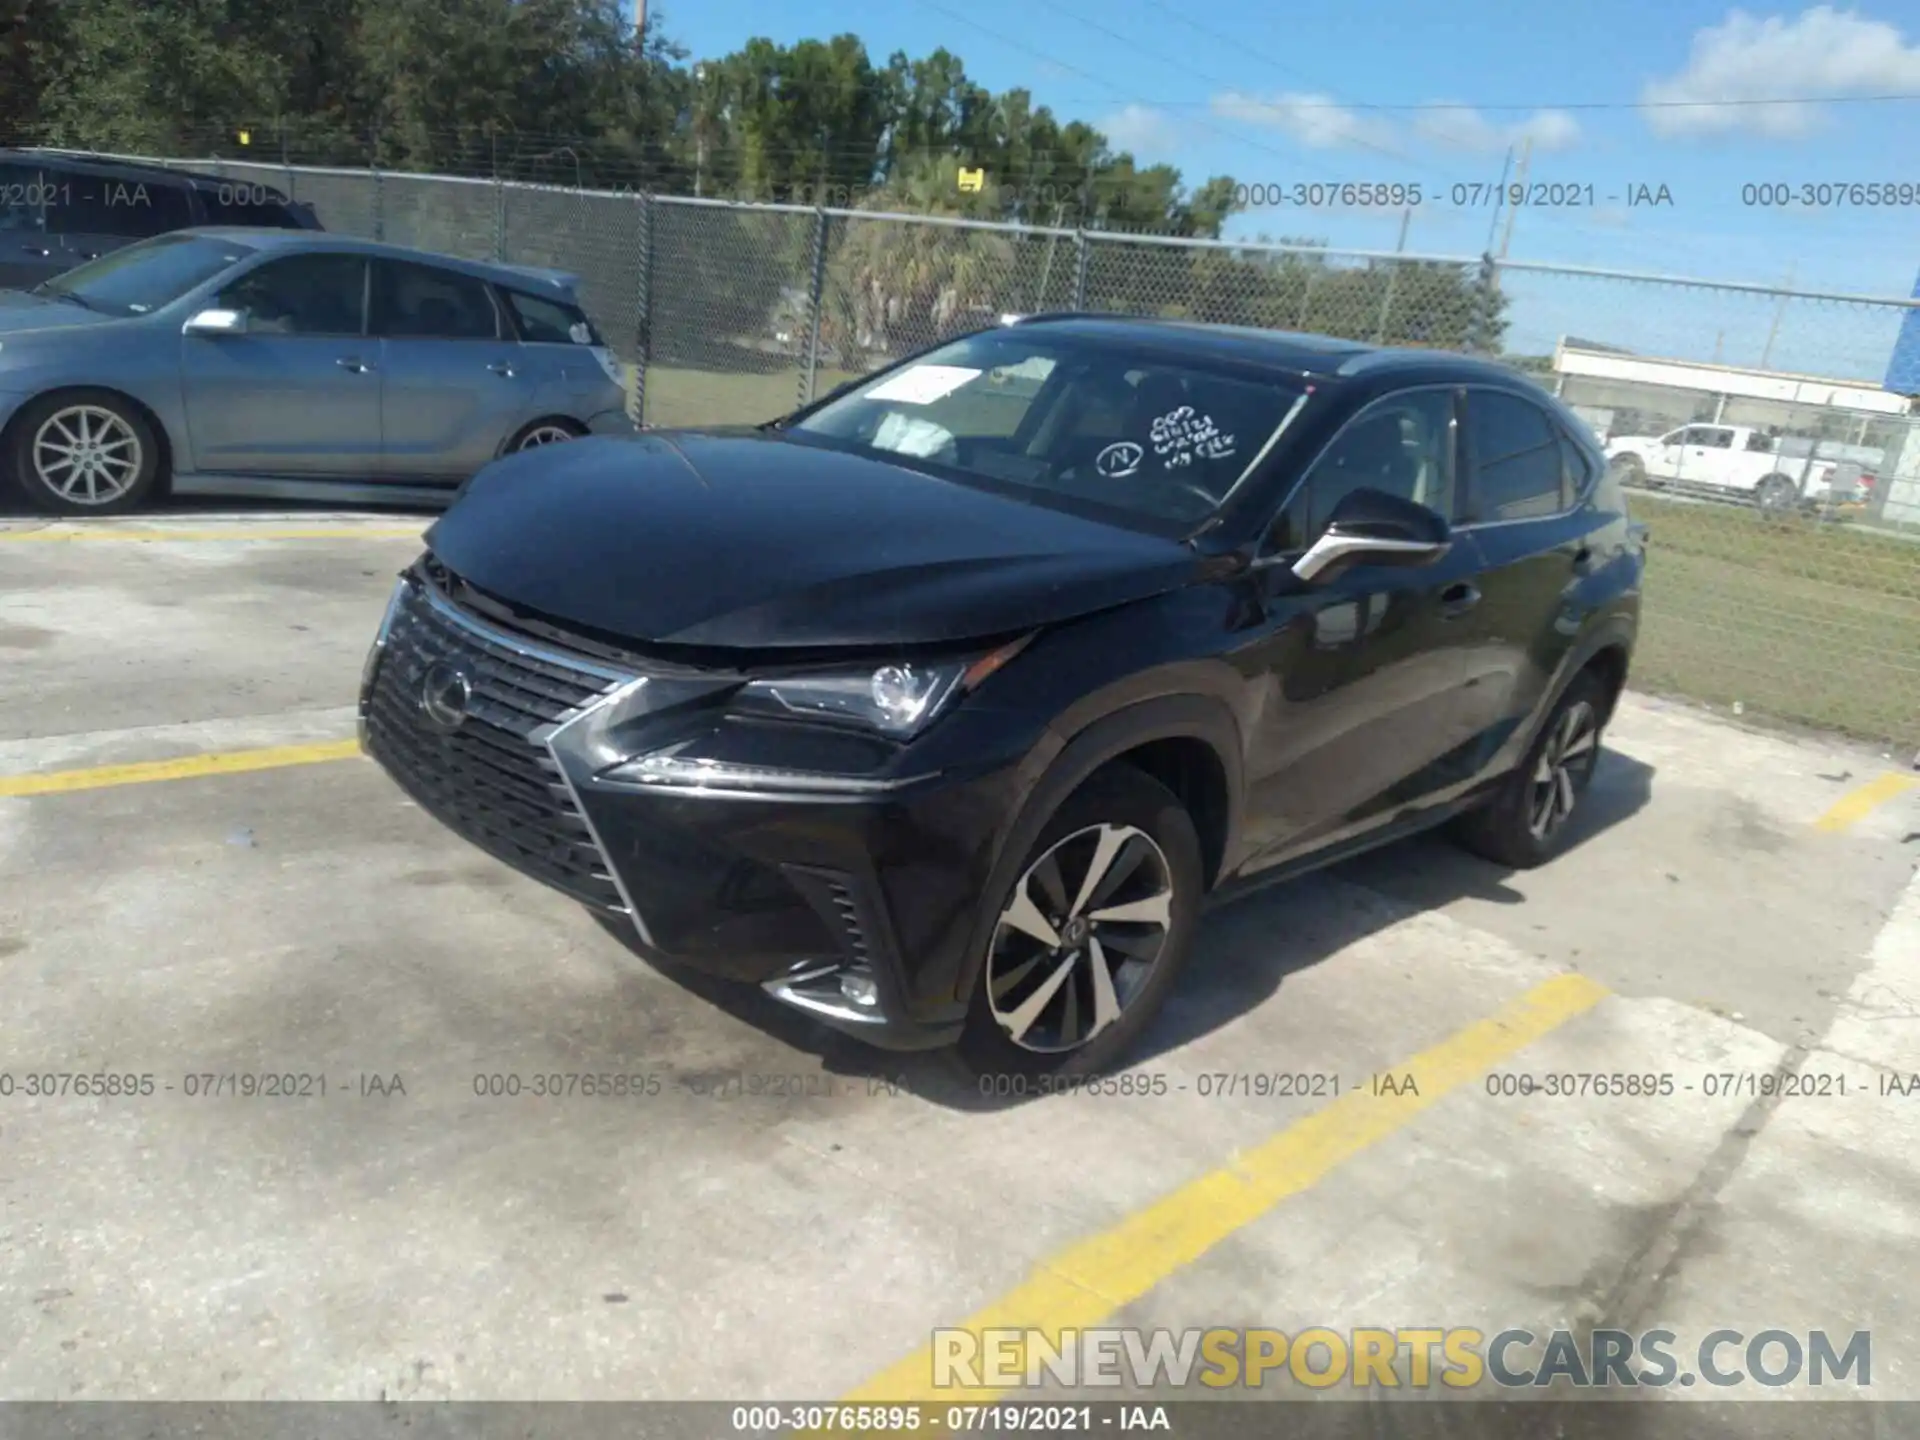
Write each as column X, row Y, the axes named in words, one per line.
column 1777, row 495
column 550, row 431
column 119, row 454
column 1151, row 848
column 1509, row 828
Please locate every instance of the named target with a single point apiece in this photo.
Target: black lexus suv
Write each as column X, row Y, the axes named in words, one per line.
column 938, row 708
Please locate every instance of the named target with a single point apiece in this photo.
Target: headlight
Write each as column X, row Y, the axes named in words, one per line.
column 899, row 699
column 896, row 700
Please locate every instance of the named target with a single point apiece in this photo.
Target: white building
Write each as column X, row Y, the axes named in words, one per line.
column 1621, row 394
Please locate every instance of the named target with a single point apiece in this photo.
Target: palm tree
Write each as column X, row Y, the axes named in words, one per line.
column 895, row 285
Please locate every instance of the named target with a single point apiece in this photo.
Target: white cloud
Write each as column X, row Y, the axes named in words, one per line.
column 1140, row 129
column 1822, row 51
column 1461, row 127
column 1315, row 121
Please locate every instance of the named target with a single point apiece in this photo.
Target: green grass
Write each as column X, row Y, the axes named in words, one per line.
column 1799, row 620
column 1816, row 623
column 705, row 397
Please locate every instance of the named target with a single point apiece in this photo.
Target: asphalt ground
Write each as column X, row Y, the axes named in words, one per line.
column 198, row 878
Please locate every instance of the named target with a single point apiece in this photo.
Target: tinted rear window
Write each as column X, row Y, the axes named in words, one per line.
column 244, row 204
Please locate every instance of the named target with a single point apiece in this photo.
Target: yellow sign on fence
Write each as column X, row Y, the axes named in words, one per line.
column 972, row 179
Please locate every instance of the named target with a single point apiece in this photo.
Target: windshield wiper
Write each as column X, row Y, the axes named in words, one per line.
column 66, row 295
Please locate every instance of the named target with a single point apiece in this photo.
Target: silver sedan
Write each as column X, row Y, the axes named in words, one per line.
column 289, row 364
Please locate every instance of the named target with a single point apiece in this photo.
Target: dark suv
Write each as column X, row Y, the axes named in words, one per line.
column 939, row 708
column 59, row 210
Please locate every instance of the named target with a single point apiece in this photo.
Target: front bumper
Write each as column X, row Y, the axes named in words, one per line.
column 818, row 895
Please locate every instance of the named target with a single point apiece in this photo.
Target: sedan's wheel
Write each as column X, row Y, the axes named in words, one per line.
column 85, row 454
column 547, row 432
column 1525, row 823
column 1090, row 933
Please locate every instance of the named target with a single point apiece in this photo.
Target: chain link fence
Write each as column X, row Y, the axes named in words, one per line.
column 1807, row 610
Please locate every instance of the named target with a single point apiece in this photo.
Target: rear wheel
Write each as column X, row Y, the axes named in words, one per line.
column 545, row 432
column 1091, row 934
column 85, row 452
column 1525, row 823
column 1777, row 495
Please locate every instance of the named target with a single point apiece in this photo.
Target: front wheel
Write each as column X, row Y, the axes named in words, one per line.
column 1091, row 934
column 85, row 452
column 1525, row 822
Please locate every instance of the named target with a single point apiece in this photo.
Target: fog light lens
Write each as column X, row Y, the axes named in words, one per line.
column 859, row 989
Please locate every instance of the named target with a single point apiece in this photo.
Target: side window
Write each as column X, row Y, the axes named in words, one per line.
column 1713, row 439
column 1402, row 445
column 302, row 295
column 1760, row 444
column 1576, row 472
column 1517, row 466
column 550, row 322
column 23, row 199
column 424, row 302
column 126, row 208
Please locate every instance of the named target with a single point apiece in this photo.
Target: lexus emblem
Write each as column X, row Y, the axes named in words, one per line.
column 445, row 694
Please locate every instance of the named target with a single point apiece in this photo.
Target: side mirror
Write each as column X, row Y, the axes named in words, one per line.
column 1371, row 527
column 217, row 322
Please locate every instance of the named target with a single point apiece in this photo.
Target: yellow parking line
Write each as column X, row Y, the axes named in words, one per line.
column 1859, row 803
column 187, row 767
column 237, row 532
column 1098, row 1276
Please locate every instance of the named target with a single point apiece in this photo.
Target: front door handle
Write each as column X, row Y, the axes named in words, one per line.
column 353, row 363
column 1458, row 598
column 502, row 369
column 42, row 251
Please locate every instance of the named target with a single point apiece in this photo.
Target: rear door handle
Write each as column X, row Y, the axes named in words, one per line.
column 502, row 369
column 1458, row 598
column 42, row 251
column 356, row 365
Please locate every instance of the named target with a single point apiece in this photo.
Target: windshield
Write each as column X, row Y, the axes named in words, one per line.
column 143, row 277
column 1067, row 420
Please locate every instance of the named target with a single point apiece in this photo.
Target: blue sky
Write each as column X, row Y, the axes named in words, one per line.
column 1690, row 95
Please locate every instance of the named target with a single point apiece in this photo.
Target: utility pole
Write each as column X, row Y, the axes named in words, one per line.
column 1499, row 199
column 1773, row 331
column 1520, row 179
column 640, row 20
column 699, row 122
column 1406, row 219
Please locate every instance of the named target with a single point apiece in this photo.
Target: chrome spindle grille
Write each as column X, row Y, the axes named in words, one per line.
column 491, row 778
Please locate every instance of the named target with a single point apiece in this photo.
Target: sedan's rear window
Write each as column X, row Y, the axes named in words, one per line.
column 1163, row 440
column 247, row 205
column 545, row 321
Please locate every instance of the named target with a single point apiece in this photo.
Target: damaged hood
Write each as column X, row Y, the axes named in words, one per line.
column 752, row 541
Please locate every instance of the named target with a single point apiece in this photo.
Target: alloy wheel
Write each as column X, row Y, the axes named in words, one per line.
column 1567, row 759
column 545, row 435
column 1079, row 938
column 87, row 455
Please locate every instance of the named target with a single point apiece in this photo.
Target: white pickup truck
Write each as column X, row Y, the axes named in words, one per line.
column 1728, row 458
